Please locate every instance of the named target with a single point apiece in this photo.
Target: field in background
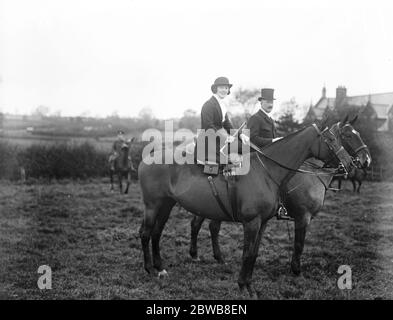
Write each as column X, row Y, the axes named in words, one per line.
column 54, row 157
column 90, row 239
column 25, row 140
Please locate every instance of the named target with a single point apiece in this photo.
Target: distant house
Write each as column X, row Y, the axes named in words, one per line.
column 377, row 106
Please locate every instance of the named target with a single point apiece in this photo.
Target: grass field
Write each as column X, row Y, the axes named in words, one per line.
column 89, row 237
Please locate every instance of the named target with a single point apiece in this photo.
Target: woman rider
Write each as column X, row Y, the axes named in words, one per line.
column 215, row 121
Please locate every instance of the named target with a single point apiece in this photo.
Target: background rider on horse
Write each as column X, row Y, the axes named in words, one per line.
column 116, row 148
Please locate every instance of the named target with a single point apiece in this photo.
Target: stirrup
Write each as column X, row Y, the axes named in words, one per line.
column 282, row 214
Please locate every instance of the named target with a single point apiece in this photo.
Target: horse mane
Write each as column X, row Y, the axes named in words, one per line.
column 286, row 139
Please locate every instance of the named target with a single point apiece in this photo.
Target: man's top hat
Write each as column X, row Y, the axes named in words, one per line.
column 220, row 81
column 267, row 94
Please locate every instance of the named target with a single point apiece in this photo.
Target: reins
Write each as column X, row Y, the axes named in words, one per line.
column 258, row 150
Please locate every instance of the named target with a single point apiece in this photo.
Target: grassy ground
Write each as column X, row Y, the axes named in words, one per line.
column 89, row 237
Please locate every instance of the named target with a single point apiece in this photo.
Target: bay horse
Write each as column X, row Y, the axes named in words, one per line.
column 164, row 185
column 123, row 166
column 304, row 194
column 358, row 176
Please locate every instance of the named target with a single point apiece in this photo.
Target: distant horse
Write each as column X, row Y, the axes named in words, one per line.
column 358, row 176
column 123, row 166
column 304, row 195
column 164, row 185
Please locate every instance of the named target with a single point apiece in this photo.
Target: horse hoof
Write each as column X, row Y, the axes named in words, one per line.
column 163, row 274
column 252, row 293
column 246, row 295
column 296, row 270
column 253, row 296
column 196, row 259
column 296, row 273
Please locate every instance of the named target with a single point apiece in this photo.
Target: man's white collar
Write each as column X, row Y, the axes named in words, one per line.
column 265, row 112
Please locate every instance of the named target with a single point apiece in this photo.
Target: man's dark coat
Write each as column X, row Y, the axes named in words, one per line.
column 262, row 129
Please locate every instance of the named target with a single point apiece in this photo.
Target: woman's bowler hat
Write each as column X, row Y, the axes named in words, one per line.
column 221, row 81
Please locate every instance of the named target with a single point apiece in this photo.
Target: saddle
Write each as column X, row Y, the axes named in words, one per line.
column 229, row 171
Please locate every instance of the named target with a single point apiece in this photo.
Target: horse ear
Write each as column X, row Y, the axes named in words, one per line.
column 341, row 123
column 324, row 121
column 354, row 119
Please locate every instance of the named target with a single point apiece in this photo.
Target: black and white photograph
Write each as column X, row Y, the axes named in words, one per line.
column 220, row 151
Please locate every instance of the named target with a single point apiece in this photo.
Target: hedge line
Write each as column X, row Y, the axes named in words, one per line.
column 76, row 161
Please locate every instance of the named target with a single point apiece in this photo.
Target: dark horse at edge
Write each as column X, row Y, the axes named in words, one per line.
column 164, row 185
column 359, row 175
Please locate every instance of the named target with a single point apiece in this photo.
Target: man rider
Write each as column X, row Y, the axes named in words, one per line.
column 263, row 131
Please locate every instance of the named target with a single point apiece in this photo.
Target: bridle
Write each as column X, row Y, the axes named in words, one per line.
column 342, row 138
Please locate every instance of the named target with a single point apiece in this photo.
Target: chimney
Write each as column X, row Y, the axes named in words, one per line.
column 324, row 92
column 341, row 92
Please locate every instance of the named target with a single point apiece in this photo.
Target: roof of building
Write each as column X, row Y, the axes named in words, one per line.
column 321, row 106
column 380, row 102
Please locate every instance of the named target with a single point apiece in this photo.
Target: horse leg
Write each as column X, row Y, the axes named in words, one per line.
column 331, row 185
column 353, row 184
column 149, row 220
column 214, row 227
column 128, row 181
column 120, row 181
column 196, row 224
column 252, row 236
column 339, row 183
column 111, row 178
column 360, row 183
column 301, row 225
column 162, row 218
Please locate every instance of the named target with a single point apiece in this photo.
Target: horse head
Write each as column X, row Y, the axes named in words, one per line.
column 123, row 161
column 329, row 146
column 127, row 143
column 352, row 142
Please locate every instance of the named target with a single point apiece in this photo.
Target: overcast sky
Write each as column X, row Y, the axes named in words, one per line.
column 97, row 57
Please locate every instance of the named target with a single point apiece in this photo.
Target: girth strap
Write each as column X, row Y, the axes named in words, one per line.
column 231, row 190
column 231, row 186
